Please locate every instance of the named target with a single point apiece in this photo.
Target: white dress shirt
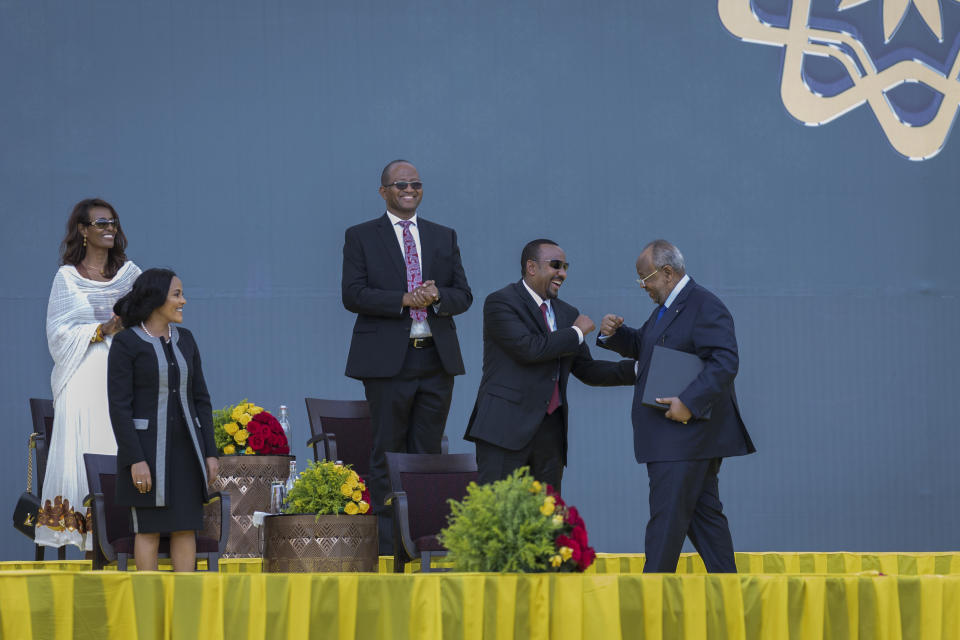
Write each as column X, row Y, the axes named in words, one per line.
column 551, row 317
column 419, row 329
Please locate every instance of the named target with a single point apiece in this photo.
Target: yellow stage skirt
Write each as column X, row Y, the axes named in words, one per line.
column 798, row 596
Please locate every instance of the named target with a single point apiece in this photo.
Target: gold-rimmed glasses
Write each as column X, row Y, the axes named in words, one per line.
column 643, row 281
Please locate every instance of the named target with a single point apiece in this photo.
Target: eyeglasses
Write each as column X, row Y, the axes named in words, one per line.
column 403, row 184
column 103, row 223
column 556, row 264
column 643, row 281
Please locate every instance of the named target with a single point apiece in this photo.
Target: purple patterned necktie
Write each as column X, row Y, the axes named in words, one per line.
column 412, row 260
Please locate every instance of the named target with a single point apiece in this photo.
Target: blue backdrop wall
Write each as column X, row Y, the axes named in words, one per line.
column 239, row 139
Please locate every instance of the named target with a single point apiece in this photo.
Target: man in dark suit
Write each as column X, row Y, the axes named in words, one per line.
column 532, row 342
column 403, row 278
column 683, row 443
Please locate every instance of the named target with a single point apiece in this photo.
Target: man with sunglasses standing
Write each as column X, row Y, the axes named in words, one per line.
column 683, row 442
column 403, row 278
column 532, row 342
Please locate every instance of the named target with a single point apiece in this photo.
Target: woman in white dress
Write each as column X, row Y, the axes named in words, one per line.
column 80, row 327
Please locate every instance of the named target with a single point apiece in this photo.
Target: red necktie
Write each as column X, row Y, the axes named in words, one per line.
column 555, row 398
column 412, row 260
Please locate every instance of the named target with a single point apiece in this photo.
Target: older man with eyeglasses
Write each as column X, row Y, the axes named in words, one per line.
column 532, row 342
column 683, row 441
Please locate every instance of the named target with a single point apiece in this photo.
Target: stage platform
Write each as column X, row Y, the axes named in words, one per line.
column 776, row 595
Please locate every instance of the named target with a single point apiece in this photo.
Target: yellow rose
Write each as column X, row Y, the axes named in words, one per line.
column 556, row 561
column 362, row 486
column 229, row 449
column 535, row 487
column 364, row 507
column 346, row 490
column 241, row 436
column 352, row 508
column 231, row 428
column 566, row 553
column 356, row 496
column 548, row 506
column 254, row 410
column 236, row 413
column 249, row 451
column 557, row 520
column 244, row 419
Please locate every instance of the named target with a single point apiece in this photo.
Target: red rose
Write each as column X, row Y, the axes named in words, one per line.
column 573, row 517
column 253, row 428
column 255, row 442
column 580, row 535
column 586, row 558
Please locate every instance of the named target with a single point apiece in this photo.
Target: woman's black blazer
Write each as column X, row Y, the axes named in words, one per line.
column 140, row 395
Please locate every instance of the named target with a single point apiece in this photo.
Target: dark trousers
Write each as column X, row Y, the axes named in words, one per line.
column 685, row 501
column 408, row 414
column 543, row 454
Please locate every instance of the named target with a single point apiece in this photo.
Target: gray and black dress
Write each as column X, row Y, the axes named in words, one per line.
column 161, row 413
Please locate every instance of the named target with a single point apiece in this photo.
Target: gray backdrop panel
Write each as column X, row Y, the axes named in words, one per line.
column 238, row 140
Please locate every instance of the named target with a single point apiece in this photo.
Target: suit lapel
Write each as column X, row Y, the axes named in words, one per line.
column 533, row 311
column 428, row 245
column 391, row 247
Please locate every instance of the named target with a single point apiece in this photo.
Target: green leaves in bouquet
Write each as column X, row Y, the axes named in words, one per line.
column 500, row 527
column 320, row 489
column 220, row 418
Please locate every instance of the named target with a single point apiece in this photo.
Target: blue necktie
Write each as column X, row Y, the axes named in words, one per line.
column 660, row 313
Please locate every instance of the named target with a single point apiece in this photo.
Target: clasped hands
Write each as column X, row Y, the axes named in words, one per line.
column 423, row 296
column 676, row 411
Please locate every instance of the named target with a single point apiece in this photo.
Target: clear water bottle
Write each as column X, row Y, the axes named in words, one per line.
column 284, row 421
column 291, row 478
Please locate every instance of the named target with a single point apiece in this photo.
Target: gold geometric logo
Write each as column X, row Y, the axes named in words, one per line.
column 880, row 80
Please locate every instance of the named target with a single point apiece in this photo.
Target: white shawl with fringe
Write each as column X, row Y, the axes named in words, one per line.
column 76, row 307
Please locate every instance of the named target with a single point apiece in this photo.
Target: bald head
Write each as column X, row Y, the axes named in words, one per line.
column 386, row 176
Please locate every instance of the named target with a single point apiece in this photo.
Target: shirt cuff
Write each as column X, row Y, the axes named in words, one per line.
column 579, row 334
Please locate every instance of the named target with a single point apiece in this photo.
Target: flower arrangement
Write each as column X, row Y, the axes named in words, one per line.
column 246, row 429
column 516, row 524
column 328, row 488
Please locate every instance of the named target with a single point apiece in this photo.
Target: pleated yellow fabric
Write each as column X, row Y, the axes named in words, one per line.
column 892, row 564
column 139, row 606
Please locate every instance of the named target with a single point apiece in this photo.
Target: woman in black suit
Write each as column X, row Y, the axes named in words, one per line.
column 162, row 419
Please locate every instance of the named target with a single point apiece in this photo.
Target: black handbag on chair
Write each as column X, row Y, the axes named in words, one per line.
column 25, row 513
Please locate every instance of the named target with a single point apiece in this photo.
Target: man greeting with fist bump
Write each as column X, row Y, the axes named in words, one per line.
column 532, row 342
column 683, row 443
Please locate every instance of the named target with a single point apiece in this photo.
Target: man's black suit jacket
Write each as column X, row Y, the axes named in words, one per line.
column 374, row 281
column 697, row 322
column 521, row 360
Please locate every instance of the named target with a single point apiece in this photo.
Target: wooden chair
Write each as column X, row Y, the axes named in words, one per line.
column 341, row 430
column 113, row 540
column 420, row 485
column 41, row 410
